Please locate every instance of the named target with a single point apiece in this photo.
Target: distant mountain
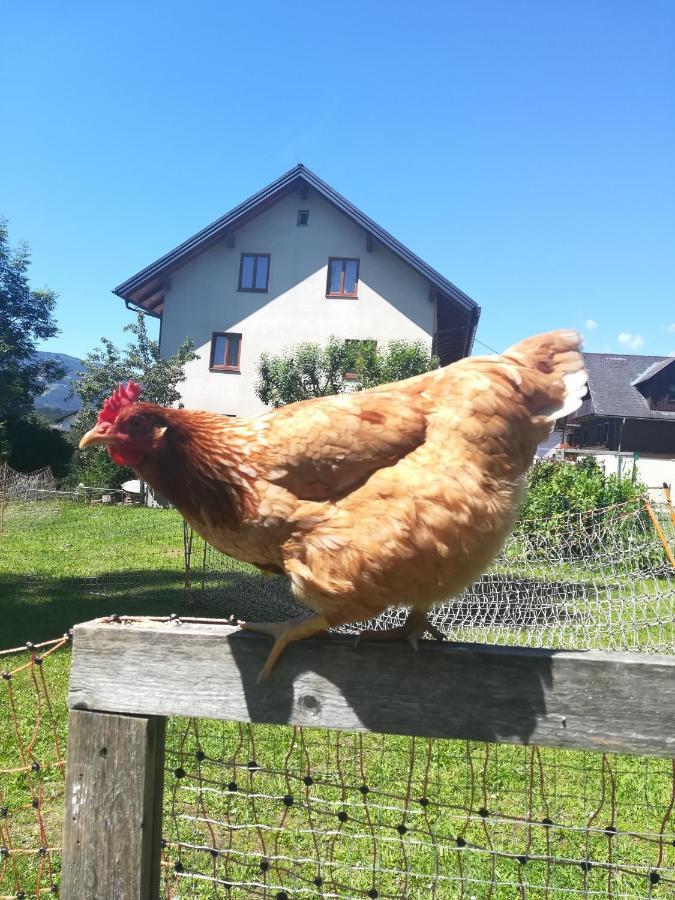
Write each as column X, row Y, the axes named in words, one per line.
column 56, row 400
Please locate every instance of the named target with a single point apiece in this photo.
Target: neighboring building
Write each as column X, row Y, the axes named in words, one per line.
column 65, row 422
column 630, row 404
column 548, row 447
column 295, row 262
column 627, row 417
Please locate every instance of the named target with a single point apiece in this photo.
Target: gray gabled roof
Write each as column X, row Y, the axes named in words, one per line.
column 612, row 380
column 145, row 288
column 653, row 370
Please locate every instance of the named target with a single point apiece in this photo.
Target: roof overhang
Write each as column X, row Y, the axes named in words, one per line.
column 653, row 370
column 146, row 289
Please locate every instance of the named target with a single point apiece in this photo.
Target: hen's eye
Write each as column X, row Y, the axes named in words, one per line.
column 135, row 424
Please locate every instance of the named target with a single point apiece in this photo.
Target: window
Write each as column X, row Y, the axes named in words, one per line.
column 303, row 217
column 343, row 277
column 356, row 347
column 254, row 272
column 602, row 433
column 225, row 352
column 671, row 394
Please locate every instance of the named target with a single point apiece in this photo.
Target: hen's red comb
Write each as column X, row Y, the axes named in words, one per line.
column 120, row 398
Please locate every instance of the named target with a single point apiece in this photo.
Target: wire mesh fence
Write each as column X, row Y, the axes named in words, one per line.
column 601, row 579
column 256, row 811
column 596, row 580
column 273, row 812
column 278, row 812
column 16, row 485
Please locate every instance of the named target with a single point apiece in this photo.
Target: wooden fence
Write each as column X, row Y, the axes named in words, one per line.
column 128, row 677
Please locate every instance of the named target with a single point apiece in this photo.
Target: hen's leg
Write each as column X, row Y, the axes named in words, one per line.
column 412, row 630
column 284, row 633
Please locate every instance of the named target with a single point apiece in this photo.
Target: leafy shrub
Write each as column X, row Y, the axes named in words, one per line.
column 312, row 370
column 562, row 487
column 557, row 490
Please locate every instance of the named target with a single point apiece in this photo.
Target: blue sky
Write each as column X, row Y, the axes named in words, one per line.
column 524, row 149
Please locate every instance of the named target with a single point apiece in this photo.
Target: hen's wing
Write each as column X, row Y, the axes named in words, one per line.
column 320, row 449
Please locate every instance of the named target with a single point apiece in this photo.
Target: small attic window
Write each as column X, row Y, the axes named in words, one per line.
column 303, row 217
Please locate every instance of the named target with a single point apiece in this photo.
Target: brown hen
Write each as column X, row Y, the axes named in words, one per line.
column 402, row 494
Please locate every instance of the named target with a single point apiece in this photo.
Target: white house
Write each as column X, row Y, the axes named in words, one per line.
column 295, row 262
column 65, row 422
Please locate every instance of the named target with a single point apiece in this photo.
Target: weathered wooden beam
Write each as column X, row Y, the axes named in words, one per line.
column 113, row 817
column 154, row 300
column 618, row 702
column 152, row 289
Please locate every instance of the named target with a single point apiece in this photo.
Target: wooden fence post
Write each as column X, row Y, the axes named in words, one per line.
column 113, row 818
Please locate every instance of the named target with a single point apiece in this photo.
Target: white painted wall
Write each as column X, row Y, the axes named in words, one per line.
column 393, row 300
column 65, row 423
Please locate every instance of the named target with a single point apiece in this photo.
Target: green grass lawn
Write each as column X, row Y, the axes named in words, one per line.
column 73, row 562
column 63, row 563
column 266, row 829
column 352, row 838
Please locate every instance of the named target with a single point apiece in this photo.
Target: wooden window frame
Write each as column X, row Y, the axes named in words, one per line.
column 256, row 257
column 343, row 259
column 213, row 367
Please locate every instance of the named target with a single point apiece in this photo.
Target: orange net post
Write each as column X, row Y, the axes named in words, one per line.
column 669, row 501
column 659, row 531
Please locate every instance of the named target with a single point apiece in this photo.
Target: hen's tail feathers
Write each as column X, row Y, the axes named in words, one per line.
column 576, row 387
column 556, row 356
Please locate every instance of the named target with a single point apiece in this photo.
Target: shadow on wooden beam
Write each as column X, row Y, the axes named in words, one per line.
column 617, row 702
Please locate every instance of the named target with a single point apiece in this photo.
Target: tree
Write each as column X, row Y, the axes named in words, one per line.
column 102, row 370
column 34, row 443
column 26, row 316
column 310, row 370
column 399, row 360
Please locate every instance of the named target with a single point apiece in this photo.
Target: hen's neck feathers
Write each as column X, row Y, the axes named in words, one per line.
column 201, row 466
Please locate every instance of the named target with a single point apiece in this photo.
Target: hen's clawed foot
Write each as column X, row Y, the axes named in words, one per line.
column 284, row 634
column 416, row 625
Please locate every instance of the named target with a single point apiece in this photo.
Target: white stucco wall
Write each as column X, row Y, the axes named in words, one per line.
column 65, row 423
column 393, row 299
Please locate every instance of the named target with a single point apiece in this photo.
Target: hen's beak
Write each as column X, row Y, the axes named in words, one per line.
column 96, row 436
